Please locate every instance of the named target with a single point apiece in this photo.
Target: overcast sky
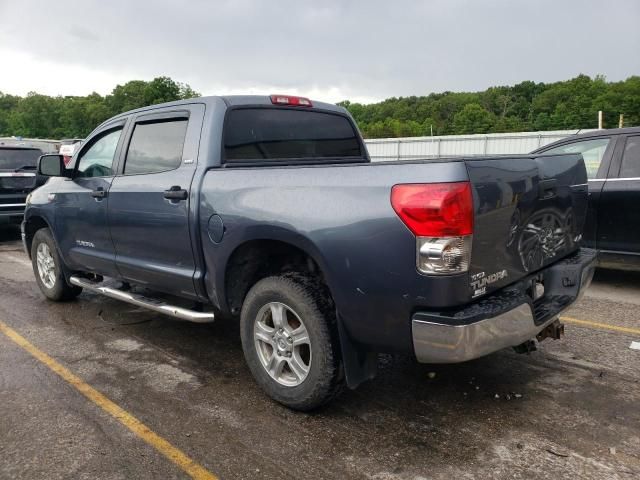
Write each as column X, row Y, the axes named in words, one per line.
column 328, row 50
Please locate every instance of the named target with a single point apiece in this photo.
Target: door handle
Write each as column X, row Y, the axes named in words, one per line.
column 176, row 193
column 99, row 193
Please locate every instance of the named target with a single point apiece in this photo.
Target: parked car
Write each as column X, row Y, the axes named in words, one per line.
column 68, row 147
column 612, row 158
column 268, row 210
column 17, row 178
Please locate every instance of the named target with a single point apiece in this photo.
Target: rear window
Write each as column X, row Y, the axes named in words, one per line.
column 283, row 134
column 17, row 158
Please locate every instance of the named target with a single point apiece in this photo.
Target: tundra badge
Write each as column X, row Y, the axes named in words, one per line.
column 479, row 281
column 83, row 243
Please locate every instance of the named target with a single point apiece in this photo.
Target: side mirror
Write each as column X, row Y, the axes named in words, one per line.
column 51, row 165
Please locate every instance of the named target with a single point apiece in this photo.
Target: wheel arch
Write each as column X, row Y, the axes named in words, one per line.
column 31, row 225
column 244, row 268
column 246, row 265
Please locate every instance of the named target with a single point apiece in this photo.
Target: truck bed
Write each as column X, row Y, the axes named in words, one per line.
column 342, row 216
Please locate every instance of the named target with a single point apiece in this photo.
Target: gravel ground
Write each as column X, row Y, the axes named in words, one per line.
column 568, row 410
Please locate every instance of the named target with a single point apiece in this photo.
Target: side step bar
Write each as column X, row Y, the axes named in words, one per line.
column 142, row 301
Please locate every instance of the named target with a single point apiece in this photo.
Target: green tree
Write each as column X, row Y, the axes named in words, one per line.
column 36, row 116
column 7, row 104
column 473, row 119
column 569, row 104
column 63, row 117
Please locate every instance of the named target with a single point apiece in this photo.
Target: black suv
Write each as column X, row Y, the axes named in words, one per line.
column 612, row 158
column 17, row 178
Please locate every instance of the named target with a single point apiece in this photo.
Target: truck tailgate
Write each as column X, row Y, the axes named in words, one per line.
column 529, row 213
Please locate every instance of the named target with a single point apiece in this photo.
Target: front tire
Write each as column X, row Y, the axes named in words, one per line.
column 290, row 342
column 47, row 268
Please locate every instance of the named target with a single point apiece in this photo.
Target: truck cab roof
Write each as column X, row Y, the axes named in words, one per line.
column 606, row 132
column 228, row 101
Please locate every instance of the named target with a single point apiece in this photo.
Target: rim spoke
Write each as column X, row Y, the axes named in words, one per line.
column 277, row 315
column 46, row 265
column 264, row 333
column 300, row 336
column 275, row 365
column 297, row 366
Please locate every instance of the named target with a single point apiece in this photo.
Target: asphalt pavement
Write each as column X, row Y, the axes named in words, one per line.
column 95, row 388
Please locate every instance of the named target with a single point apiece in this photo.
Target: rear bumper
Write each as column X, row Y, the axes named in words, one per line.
column 505, row 319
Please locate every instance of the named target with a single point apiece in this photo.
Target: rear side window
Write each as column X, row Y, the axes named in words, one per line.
column 156, row 146
column 631, row 158
column 592, row 151
column 283, row 134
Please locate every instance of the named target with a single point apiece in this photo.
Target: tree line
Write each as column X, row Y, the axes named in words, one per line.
column 42, row 116
column 526, row 106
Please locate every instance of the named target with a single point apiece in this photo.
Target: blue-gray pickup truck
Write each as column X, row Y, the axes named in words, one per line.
column 267, row 210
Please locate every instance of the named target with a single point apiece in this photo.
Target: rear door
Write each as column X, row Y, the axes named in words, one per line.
column 619, row 209
column 150, row 199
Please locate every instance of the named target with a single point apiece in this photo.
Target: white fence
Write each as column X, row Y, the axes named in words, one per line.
column 381, row 149
column 47, row 146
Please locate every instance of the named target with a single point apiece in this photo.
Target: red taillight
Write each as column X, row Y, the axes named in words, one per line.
column 290, row 100
column 435, row 209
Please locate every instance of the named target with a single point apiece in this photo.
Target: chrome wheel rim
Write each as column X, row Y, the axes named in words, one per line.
column 282, row 342
column 46, row 265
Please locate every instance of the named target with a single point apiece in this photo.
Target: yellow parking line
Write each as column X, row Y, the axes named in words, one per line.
column 601, row 326
column 178, row 457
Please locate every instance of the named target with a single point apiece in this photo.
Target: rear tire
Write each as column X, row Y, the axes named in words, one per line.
column 47, row 268
column 290, row 342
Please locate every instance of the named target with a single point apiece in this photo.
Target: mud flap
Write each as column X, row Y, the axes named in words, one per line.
column 360, row 365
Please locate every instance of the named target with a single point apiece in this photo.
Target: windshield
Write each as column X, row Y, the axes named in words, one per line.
column 15, row 158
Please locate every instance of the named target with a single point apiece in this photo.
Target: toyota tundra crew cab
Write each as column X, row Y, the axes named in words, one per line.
column 267, row 210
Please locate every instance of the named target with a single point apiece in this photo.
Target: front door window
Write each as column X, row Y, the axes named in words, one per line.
column 97, row 159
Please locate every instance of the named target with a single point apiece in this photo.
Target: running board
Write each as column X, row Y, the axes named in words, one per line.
column 142, row 301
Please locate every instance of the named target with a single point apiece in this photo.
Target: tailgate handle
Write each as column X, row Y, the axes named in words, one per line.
column 547, row 188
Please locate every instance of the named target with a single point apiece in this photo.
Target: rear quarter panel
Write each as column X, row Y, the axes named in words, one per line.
column 342, row 217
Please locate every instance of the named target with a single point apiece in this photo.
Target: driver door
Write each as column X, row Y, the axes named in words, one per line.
column 81, row 205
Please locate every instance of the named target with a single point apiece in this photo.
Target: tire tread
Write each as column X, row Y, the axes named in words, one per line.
column 314, row 295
